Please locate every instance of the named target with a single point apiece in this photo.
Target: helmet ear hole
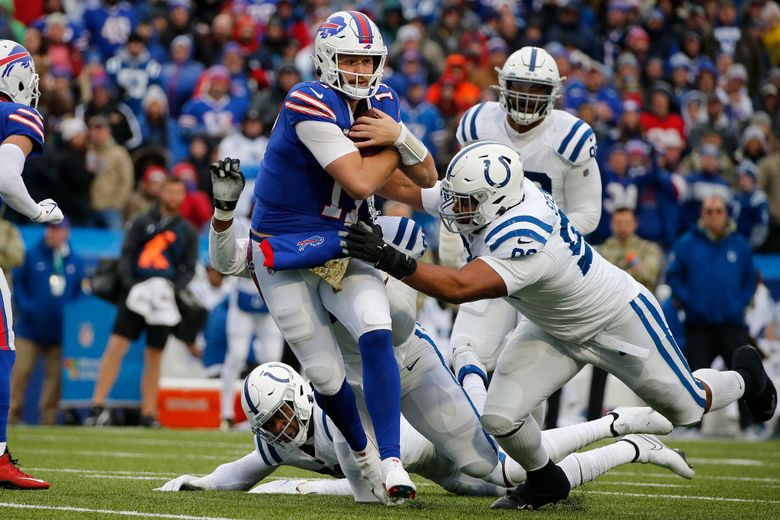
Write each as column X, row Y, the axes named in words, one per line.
column 21, row 86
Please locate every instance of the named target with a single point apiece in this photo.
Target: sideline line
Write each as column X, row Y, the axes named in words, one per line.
column 686, row 497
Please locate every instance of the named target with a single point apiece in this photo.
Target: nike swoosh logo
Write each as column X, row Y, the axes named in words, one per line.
column 520, row 241
column 410, row 367
column 317, row 93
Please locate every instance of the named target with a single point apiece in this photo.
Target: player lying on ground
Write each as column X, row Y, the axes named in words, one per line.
column 291, row 430
column 21, row 135
column 579, row 309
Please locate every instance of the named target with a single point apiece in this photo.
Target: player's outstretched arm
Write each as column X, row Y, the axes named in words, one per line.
column 225, row 251
column 13, row 153
column 239, row 475
column 475, row 281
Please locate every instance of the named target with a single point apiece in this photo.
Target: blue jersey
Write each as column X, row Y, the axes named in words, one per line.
column 293, row 193
column 134, row 75
column 216, row 118
column 18, row 119
column 109, row 26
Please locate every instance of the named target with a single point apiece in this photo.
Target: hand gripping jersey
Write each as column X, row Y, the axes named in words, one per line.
column 293, row 193
column 560, row 150
column 552, row 275
column 18, row 119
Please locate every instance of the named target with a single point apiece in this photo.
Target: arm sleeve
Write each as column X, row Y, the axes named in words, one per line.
column 12, row 188
column 521, row 271
column 324, row 140
column 239, row 475
column 226, row 253
column 582, row 190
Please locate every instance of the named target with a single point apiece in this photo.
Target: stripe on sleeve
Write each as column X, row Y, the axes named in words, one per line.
column 516, row 220
column 473, row 126
column 305, row 110
column 570, row 136
column 25, row 121
column 416, row 229
column 463, row 125
column 399, row 234
column 580, row 144
column 305, row 98
column 33, row 115
column 517, row 232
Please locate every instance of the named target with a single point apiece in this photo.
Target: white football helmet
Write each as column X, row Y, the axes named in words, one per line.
column 18, row 79
column 483, row 181
column 529, row 67
column 275, row 395
column 350, row 33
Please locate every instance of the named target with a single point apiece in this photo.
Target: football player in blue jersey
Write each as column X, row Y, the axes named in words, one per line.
column 313, row 180
column 21, row 134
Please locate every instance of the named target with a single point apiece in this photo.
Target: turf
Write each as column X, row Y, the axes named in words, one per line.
column 115, row 469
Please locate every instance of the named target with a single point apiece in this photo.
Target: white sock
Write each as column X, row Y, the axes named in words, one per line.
column 525, row 446
column 581, row 468
column 562, row 441
column 2, row 448
column 475, row 388
column 726, row 387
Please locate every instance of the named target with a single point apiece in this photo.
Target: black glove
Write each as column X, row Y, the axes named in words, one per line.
column 227, row 182
column 366, row 243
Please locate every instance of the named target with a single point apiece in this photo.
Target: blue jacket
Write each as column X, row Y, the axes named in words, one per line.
column 714, row 281
column 39, row 312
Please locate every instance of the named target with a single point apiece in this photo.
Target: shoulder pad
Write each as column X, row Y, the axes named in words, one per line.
column 516, row 235
column 471, row 126
column 311, row 100
column 573, row 139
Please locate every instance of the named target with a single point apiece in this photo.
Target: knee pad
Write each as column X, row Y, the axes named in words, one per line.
column 294, row 323
column 496, row 424
column 372, row 314
column 325, row 373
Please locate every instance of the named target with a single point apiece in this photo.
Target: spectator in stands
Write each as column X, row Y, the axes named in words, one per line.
column 750, row 52
column 268, row 102
column 234, row 60
column 769, row 183
column 113, row 179
column 158, row 258
column 486, row 75
column 449, row 31
column 159, row 131
column 199, row 154
column 692, row 162
column 706, row 182
column 734, row 95
column 595, row 90
column 109, row 24
column 640, row 258
column 754, row 145
column 750, row 207
column 133, row 70
column 660, row 118
column 11, row 247
column 124, row 125
column 248, row 145
column 713, row 279
column 465, row 94
column 145, row 196
column 179, row 76
column 50, row 278
column 180, row 23
column 411, row 66
column 213, row 111
column 73, row 175
column 10, row 27
column 196, row 207
column 422, row 118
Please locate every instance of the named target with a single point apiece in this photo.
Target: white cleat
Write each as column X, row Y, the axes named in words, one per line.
column 639, row 419
column 397, row 482
column 371, row 469
column 650, row 450
column 465, row 360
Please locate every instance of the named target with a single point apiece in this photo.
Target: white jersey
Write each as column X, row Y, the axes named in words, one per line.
column 553, row 277
column 558, row 156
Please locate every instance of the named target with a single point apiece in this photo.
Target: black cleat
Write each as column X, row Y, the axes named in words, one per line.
column 545, row 486
column 98, row 416
column 150, row 421
column 760, row 393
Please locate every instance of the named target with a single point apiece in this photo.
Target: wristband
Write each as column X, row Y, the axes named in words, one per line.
column 412, row 150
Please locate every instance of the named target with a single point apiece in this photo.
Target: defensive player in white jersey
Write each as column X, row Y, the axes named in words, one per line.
column 291, row 430
column 21, row 135
column 558, row 151
column 578, row 309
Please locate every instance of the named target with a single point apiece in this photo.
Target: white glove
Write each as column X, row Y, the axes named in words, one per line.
column 50, row 212
column 177, row 483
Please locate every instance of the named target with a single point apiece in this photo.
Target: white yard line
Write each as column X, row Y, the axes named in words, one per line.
column 109, row 512
column 643, row 484
column 731, row 462
column 685, row 497
column 617, row 473
column 137, row 455
column 104, row 471
column 154, row 442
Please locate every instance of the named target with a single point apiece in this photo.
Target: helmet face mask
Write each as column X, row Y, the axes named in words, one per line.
column 529, row 84
column 483, row 181
column 349, row 34
column 278, row 403
column 18, row 79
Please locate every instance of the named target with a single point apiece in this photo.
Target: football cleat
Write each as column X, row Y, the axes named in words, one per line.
column 150, row 421
column 465, row 361
column 760, row 393
column 638, row 419
column 548, row 485
column 649, row 450
column 98, row 416
column 371, row 469
column 11, row 477
column 397, row 482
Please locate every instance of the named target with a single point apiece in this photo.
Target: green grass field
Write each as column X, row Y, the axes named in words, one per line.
column 110, row 473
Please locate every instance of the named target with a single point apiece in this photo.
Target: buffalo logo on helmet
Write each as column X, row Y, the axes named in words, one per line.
column 332, row 26
column 18, row 55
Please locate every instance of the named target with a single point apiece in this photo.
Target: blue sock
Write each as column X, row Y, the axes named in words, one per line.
column 342, row 410
column 382, row 390
column 7, row 358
